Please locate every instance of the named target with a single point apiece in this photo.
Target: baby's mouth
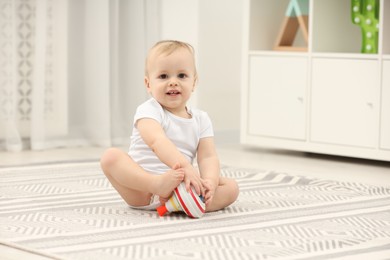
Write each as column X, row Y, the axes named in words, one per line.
column 173, row 92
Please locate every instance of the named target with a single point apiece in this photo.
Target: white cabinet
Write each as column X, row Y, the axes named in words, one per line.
column 329, row 99
column 385, row 119
column 345, row 101
column 277, row 103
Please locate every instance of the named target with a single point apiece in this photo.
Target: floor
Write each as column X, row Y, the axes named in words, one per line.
column 318, row 166
column 308, row 164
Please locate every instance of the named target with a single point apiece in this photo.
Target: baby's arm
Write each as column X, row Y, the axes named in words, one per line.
column 209, row 168
column 154, row 136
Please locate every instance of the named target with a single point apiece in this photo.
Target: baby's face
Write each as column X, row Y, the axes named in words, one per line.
column 171, row 79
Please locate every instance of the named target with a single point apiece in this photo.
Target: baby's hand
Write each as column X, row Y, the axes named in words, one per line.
column 210, row 188
column 192, row 178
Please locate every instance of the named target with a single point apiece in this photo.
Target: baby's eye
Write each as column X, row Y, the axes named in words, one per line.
column 182, row 75
column 163, row 76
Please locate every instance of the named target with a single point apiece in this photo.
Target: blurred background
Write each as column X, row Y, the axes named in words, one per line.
column 72, row 70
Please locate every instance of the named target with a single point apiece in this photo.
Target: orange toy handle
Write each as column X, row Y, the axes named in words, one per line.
column 162, row 210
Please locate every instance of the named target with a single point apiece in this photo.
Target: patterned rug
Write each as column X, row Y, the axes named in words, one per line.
column 70, row 211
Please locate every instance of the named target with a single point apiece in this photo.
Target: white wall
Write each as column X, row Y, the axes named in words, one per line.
column 179, row 20
column 214, row 29
column 220, row 36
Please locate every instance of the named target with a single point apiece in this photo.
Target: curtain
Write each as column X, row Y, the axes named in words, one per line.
column 72, row 70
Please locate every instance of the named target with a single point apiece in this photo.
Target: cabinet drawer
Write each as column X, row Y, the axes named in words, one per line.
column 277, row 87
column 345, row 101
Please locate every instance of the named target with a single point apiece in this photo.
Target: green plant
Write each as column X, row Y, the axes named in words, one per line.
column 365, row 13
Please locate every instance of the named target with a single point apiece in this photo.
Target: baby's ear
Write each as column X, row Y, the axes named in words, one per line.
column 195, row 82
column 146, row 82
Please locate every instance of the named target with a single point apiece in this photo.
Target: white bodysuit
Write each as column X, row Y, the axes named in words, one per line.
column 185, row 133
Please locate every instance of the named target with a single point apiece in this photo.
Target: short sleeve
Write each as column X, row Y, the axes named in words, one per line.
column 206, row 127
column 149, row 109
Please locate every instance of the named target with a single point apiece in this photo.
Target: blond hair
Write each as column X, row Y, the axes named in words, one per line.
column 167, row 47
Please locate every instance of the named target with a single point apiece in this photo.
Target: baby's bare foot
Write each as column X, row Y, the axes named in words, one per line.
column 164, row 184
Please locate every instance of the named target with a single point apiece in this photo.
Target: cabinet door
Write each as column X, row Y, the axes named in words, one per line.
column 277, row 88
column 385, row 122
column 345, row 101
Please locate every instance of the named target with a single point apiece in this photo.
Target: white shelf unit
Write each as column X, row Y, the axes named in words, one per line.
column 331, row 99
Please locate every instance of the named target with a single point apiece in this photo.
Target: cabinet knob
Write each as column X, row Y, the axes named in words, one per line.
column 300, row 99
column 370, row 104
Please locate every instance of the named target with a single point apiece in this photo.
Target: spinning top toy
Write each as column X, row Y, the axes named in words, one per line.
column 190, row 202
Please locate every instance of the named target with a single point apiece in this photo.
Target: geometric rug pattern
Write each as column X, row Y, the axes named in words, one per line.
column 70, row 211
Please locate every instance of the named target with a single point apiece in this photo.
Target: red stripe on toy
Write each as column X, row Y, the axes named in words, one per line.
column 196, row 201
column 183, row 205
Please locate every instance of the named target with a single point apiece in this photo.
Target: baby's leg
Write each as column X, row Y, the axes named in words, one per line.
column 133, row 183
column 225, row 194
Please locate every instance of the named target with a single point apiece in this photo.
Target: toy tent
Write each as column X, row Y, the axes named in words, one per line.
column 296, row 17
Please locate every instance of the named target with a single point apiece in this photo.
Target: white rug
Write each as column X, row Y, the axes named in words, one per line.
column 70, row 211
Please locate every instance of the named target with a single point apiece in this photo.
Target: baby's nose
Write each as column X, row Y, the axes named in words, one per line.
column 173, row 83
